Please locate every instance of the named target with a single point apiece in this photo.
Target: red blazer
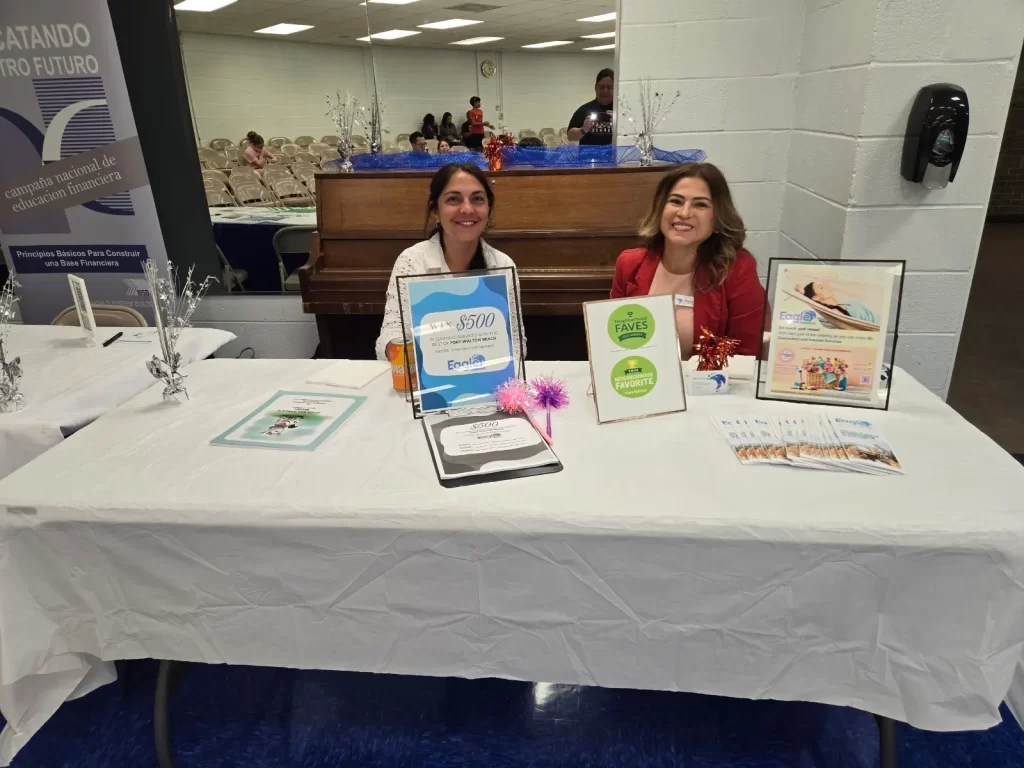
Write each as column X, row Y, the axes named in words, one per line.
column 734, row 308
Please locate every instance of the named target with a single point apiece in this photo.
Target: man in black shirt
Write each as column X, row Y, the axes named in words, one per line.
column 593, row 123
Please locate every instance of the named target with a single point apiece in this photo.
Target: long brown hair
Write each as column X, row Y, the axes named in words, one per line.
column 718, row 252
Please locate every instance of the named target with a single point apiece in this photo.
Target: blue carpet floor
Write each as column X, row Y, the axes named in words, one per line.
column 247, row 717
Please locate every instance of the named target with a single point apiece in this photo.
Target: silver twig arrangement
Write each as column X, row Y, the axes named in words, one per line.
column 373, row 119
column 347, row 115
column 654, row 108
column 173, row 312
column 11, row 398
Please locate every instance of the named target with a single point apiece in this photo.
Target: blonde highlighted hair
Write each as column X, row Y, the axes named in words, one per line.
column 716, row 254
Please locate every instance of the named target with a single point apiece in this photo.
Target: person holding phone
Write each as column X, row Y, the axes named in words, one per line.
column 594, row 122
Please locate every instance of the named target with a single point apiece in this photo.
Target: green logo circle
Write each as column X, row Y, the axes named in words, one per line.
column 634, row 376
column 631, row 326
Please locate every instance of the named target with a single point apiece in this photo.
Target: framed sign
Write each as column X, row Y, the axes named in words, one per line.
column 830, row 322
column 633, row 346
column 80, row 295
column 464, row 336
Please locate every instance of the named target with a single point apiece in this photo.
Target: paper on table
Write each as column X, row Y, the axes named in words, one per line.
column 350, row 374
column 480, row 445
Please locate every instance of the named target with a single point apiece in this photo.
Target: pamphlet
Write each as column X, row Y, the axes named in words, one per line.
column 837, row 443
column 492, row 446
column 294, row 421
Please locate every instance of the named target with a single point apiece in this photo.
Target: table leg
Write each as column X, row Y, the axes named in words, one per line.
column 886, row 742
column 161, row 716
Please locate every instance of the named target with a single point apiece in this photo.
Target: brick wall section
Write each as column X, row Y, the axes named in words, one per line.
column 1008, row 187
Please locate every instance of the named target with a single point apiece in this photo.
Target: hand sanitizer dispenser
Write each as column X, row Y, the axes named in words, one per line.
column 936, row 135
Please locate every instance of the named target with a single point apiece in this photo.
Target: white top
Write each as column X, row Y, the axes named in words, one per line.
column 427, row 257
column 653, row 560
column 69, row 383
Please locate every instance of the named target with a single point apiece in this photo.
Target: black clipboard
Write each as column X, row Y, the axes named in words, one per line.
column 485, row 477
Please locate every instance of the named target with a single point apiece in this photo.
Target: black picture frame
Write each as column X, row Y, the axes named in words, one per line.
column 773, row 264
column 517, row 329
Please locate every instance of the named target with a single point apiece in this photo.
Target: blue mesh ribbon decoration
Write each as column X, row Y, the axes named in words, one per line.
column 565, row 156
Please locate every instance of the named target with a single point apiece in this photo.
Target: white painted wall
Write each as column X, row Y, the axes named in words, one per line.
column 804, row 105
column 862, row 65
column 735, row 65
column 273, row 325
column 278, row 87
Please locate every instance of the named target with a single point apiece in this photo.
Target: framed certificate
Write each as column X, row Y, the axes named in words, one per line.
column 80, row 295
column 464, row 337
column 633, row 345
column 831, row 324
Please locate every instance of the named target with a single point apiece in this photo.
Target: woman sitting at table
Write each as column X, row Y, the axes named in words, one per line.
column 459, row 209
column 694, row 250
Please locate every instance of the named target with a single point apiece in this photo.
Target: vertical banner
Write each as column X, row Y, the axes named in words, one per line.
column 74, row 193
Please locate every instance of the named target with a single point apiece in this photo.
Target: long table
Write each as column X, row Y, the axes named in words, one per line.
column 69, row 383
column 654, row 560
column 246, row 237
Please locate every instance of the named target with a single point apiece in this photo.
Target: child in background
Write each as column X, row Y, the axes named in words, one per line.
column 475, row 116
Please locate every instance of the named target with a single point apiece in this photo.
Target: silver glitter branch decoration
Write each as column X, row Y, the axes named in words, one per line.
column 653, row 111
column 373, row 119
column 11, row 398
column 173, row 312
column 346, row 114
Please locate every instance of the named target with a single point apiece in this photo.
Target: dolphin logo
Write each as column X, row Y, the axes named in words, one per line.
column 719, row 380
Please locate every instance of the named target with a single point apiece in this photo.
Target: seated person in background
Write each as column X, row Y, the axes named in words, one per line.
column 459, row 209
column 448, row 130
column 419, row 144
column 475, row 116
column 694, row 237
column 593, row 123
column 466, row 134
column 256, row 154
column 443, row 148
column 531, row 141
column 429, row 129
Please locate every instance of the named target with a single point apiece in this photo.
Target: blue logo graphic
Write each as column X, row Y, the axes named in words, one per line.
column 474, row 362
column 805, row 317
column 719, row 380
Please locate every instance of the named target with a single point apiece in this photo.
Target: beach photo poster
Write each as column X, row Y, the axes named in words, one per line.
column 828, row 332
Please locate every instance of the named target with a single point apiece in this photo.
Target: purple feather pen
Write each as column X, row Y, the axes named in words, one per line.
column 550, row 394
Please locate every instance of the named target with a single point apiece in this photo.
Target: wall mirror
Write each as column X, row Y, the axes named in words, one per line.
column 267, row 67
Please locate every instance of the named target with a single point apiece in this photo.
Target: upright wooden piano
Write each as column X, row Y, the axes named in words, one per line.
column 563, row 228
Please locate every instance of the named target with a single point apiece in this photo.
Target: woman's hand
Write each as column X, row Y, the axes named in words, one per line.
column 588, row 126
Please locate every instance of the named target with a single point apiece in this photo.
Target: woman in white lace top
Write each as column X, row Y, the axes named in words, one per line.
column 458, row 211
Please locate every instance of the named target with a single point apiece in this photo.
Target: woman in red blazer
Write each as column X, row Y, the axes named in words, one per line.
column 694, row 249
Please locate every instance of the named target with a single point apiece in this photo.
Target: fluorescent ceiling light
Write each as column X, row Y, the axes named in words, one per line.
column 600, row 47
column 549, row 44
column 391, row 34
column 602, row 17
column 450, row 24
column 477, row 40
column 598, row 36
column 284, row 29
column 202, row 5
column 392, row 2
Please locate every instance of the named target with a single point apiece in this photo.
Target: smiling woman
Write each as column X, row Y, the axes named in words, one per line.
column 459, row 209
column 694, row 250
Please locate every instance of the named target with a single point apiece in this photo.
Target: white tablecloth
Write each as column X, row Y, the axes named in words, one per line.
column 68, row 384
column 654, row 560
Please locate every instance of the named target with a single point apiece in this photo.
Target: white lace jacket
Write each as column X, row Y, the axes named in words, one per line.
column 425, row 258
